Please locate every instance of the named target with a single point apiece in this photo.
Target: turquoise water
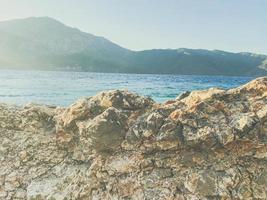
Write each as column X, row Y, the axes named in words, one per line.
column 63, row 88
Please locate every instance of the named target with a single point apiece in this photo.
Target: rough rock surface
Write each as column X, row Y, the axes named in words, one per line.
column 117, row 145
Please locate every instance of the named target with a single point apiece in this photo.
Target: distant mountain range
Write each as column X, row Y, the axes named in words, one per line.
column 43, row 43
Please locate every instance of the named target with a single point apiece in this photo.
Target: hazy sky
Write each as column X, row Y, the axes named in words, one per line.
column 233, row 25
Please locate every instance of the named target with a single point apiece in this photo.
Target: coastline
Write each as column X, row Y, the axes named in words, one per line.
column 118, row 145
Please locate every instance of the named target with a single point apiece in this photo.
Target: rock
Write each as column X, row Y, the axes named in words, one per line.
column 208, row 144
column 244, row 122
column 183, row 95
column 197, row 96
column 123, row 164
column 39, row 116
column 82, row 109
column 122, row 99
column 106, row 131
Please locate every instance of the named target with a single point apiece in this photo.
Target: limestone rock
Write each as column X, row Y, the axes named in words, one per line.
column 207, row 144
column 106, row 131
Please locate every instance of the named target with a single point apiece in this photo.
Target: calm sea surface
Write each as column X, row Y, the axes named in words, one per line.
column 63, row 88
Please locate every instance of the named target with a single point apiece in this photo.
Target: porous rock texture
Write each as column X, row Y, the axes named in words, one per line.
column 208, row 144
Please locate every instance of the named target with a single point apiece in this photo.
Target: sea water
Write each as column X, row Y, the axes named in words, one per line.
column 63, row 88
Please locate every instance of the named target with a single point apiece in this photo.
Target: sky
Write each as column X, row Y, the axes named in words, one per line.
column 230, row 25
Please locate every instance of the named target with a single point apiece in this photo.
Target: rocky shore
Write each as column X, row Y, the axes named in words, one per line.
column 208, row 144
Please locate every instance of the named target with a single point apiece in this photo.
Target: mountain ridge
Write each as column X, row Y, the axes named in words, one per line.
column 44, row 43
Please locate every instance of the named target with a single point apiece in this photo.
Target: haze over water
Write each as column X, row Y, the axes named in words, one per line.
column 63, row 88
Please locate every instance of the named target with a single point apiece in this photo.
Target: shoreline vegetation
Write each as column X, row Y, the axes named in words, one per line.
column 204, row 144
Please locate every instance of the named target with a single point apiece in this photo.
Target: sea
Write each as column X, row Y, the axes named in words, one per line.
column 64, row 88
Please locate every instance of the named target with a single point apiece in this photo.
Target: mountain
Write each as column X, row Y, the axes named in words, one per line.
column 201, row 62
column 44, row 43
